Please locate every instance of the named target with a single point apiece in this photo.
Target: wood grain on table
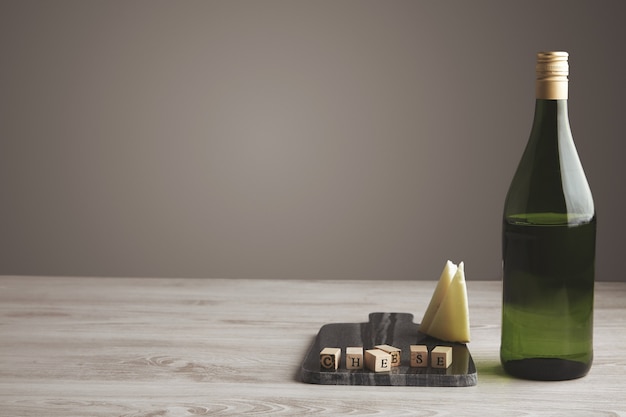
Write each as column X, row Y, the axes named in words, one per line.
column 187, row 347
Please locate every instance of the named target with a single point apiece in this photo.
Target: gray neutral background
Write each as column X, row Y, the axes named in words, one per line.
column 289, row 139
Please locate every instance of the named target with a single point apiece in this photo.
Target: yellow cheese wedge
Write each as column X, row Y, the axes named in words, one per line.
column 440, row 290
column 451, row 320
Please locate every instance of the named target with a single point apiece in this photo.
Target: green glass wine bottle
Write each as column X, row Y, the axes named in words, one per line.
column 548, row 244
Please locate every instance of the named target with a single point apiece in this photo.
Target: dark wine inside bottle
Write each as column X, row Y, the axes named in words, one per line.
column 548, row 296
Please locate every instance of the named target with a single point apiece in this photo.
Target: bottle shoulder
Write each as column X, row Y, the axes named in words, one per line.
column 549, row 177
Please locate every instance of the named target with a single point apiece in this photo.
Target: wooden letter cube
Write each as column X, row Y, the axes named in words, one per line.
column 419, row 356
column 377, row 360
column 354, row 358
column 329, row 358
column 395, row 353
column 441, row 357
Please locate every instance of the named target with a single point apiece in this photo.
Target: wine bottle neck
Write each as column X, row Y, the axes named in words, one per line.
column 551, row 106
column 551, row 120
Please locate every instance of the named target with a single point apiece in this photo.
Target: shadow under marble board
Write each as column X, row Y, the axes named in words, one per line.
column 395, row 329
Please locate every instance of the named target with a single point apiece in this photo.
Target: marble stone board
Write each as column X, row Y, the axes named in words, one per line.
column 395, row 329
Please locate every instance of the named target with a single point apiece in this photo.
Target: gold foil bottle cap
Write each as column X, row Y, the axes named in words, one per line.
column 552, row 70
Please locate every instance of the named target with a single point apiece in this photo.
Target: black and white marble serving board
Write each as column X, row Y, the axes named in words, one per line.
column 395, row 329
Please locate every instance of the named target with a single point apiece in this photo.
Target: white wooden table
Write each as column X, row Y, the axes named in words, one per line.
column 187, row 347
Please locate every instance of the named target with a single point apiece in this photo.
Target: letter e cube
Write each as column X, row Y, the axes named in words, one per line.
column 441, row 357
column 377, row 360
